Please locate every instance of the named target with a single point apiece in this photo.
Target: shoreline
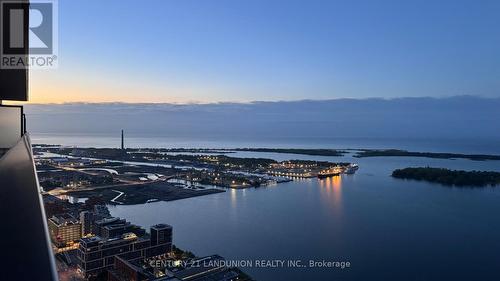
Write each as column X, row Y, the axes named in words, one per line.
column 137, row 195
column 356, row 152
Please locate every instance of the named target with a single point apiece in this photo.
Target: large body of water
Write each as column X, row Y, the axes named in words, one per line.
column 388, row 229
column 484, row 146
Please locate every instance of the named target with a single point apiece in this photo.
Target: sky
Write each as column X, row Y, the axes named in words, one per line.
column 165, row 51
column 436, row 124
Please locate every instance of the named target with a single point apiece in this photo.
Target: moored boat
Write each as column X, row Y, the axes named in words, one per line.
column 351, row 169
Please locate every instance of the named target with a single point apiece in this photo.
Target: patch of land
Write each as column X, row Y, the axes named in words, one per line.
column 144, row 193
column 136, row 176
column 404, row 153
column 312, row 152
column 449, row 177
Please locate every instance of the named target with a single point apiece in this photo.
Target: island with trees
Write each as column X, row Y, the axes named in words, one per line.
column 449, row 177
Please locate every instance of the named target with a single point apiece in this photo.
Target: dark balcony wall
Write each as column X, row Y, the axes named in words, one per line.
column 26, row 252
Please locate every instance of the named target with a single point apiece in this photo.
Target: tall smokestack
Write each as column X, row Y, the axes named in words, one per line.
column 123, row 144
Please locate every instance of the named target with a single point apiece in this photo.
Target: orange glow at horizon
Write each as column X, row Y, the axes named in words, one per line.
column 89, row 94
column 47, row 87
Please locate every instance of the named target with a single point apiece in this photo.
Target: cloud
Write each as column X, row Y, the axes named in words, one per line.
column 453, row 117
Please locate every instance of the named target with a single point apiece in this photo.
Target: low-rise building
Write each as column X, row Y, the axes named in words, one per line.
column 210, row 268
column 97, row 253
column 64, row 229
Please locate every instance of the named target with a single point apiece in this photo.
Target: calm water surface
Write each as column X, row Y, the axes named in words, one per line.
column 388, row 229
column 486, row 146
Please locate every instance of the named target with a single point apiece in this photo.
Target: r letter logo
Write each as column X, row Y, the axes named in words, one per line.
column 28, row 34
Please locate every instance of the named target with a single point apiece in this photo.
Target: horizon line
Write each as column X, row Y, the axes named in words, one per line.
column 254, row 101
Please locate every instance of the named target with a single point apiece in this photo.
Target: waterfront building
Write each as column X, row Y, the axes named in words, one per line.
column 64, row 229
column 120, row 228
column 100, row 223
column 205, row 268
column 161, row 233
column 119, row 238
column 124, row 270
column 211, row 268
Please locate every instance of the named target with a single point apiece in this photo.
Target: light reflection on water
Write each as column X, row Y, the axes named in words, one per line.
column 389, row 229
column 331, row 187
column 369, row 218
